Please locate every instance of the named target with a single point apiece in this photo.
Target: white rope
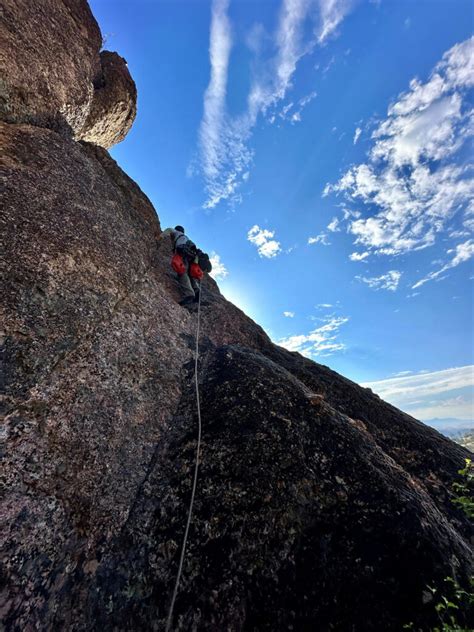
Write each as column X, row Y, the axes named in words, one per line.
column 198, row 450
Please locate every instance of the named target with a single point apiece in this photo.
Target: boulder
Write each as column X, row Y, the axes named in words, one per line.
column 53, row 76
column 114, row 105
column 48, row 63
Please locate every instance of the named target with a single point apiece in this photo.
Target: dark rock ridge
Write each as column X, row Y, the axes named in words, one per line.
column 312, row 513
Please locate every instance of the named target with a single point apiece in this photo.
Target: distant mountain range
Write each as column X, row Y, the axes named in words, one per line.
column 450, row 426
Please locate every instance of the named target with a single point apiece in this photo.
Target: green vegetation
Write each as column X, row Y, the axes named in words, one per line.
column 452, row 603
column 450, row 606
column 463, row 490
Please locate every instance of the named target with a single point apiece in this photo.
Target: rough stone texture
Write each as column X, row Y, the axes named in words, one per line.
column 333, row 512
column 51, row 73
column 49, row 58
column 114, row 106
column 319, row 506
column 302, row 522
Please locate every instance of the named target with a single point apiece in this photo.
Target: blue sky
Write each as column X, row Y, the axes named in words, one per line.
column 320, row 150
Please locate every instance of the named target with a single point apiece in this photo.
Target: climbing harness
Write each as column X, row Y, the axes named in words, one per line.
column 198, row 450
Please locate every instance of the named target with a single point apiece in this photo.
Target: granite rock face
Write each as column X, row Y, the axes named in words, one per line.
column 302, row 521
column 49, row 60
column 319, row 506
column 52, row 75
column 114, row 105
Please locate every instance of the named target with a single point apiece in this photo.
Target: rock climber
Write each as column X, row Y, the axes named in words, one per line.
column 188, row 262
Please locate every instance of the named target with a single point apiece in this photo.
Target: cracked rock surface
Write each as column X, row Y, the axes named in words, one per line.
column 319, row 506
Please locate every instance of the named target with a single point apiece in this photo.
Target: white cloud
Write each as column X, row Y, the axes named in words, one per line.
column 460, row 407
column 321, row 341
column 289, row 314
column 333, row 226
column 290, row 42
column 430, row 394
column 387, row 281
column 463, row 253
column 348, row 214
column 357, row 134
column 430, row 133
column 324, row 305
column 224, row 151
column 263, row 240
column 308, row 98
column 286, row 109
column 213, row 123
column 414, row 181
column 359, row 256
column 296, row 117
column 255, row 38
column 219, row 271
column 322, row 238
column 286, row 113
column 423, row 384
column 332, row 14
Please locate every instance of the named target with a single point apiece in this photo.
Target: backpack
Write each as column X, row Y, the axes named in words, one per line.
column 187, row 250
column 177, row 264
column 203, row 261
column 195, row 271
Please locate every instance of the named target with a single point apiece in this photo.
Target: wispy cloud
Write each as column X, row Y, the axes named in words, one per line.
column 292, row 111
column 359, row 256
column 415, row 181
column 212, row 132
column 224, row 151
column 289, row 314
column 290, row 42
column 388, row 281
column 333, row 225
column 322, row 239
column 332, row 14
column 307, row 99
column 357, row 134
column 430, row 394
column 321, row 341
column 262, row 238
column 463, row 252
column 423, row 384
column 219, row 271
column 460, row 407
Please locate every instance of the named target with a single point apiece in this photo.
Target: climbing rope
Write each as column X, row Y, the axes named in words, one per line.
column 198, row 450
